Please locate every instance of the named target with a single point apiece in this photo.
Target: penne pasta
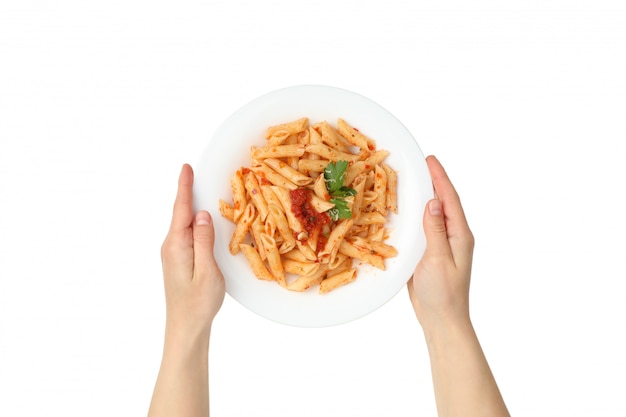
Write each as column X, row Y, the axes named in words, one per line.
column 353, row 136
column 254, row 191
column 256, row 263
column 373, row 247
column 239, row 194
column 380, row 188
column 283, row 196
column 279, row 151
column 273, row 177
column 338, row 280
column 361, row 254
column 227, row 211
column 300, row 268
column 293, row 175
column 273, row 259
column 391, row 198
column 276, row 135
column 321, row 205
column 327, row 255
column 303, row 283
column 313, row 200
column 331, row 137
column 241, row 228
column 371, row 218
column 326, row 152
column 289, row 242
column 315, row 165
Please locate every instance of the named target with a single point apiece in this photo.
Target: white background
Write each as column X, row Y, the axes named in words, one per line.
column 101, row 102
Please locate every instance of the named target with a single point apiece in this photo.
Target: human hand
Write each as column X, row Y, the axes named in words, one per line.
column 439, row 288
column 194, row 284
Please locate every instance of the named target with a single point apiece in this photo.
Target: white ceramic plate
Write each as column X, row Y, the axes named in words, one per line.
column 228, row 150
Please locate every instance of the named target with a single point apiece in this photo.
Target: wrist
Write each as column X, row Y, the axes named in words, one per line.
column 444, row 329
column 185, row 342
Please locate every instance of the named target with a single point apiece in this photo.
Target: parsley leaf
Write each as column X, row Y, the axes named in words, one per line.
column 334, row 175
column 341, row 205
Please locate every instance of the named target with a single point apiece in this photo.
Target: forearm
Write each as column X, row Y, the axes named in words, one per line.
column 182, row 387
column 463, row 382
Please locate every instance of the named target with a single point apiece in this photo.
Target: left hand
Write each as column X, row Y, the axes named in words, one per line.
column 194, row 284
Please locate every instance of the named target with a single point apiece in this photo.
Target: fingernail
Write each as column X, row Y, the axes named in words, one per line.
column 202, row 218
column 434, row 207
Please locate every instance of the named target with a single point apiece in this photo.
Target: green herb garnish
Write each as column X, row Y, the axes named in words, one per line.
column 334, row 175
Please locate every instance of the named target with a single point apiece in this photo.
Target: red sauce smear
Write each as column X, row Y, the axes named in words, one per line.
column 309, row 218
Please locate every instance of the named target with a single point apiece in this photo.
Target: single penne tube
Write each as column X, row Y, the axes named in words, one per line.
column 339, row 259
column 289, row 242
column 357, row 202
column 314, row 135
column 269, row 227
column 273, row 259
column 320, row 205
column 241, row 228
column 304, row 136
column 353, row 136
column 312, row 240
column 371, row 218
column 300, row 268
column 368, row 196
column 331, row 137
column 292, row 161
column 375, row 248
column 226, row 210
column 254, row 191
column 377, row 157
column 361, row 254
column 267, row 173
column 359, row 230
column 277, row 134
column 328, row 253
column 254, row 161
column 303, row 283
column 256, row 263
column 380, row 188
column 330, row 283
column 284, row 197
column 391, row 199
column 270, row 196
column 280, row 151
column 306, row 250
column 354, row 170
column 375, row 233
column 256, row 229
column 369, row 180
column 288, row 172
column 326, row 152
column 295, row 255
column 239, row 194
column 315, row 165
column 319, row 188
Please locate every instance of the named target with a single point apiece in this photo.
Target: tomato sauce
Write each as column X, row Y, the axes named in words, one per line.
column 312, row 221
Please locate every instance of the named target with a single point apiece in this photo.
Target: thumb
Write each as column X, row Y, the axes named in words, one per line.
column 203, row 241
column 435, row 230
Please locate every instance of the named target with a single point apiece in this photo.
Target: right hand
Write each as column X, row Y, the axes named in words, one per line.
column 439, row 287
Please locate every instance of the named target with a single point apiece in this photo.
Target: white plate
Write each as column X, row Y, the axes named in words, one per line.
column 228, row 150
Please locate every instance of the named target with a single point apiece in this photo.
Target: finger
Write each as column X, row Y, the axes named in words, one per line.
column 437, row 244
column 456, row 222
column 460, row 237
column 203, row 241
column 183, row 210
